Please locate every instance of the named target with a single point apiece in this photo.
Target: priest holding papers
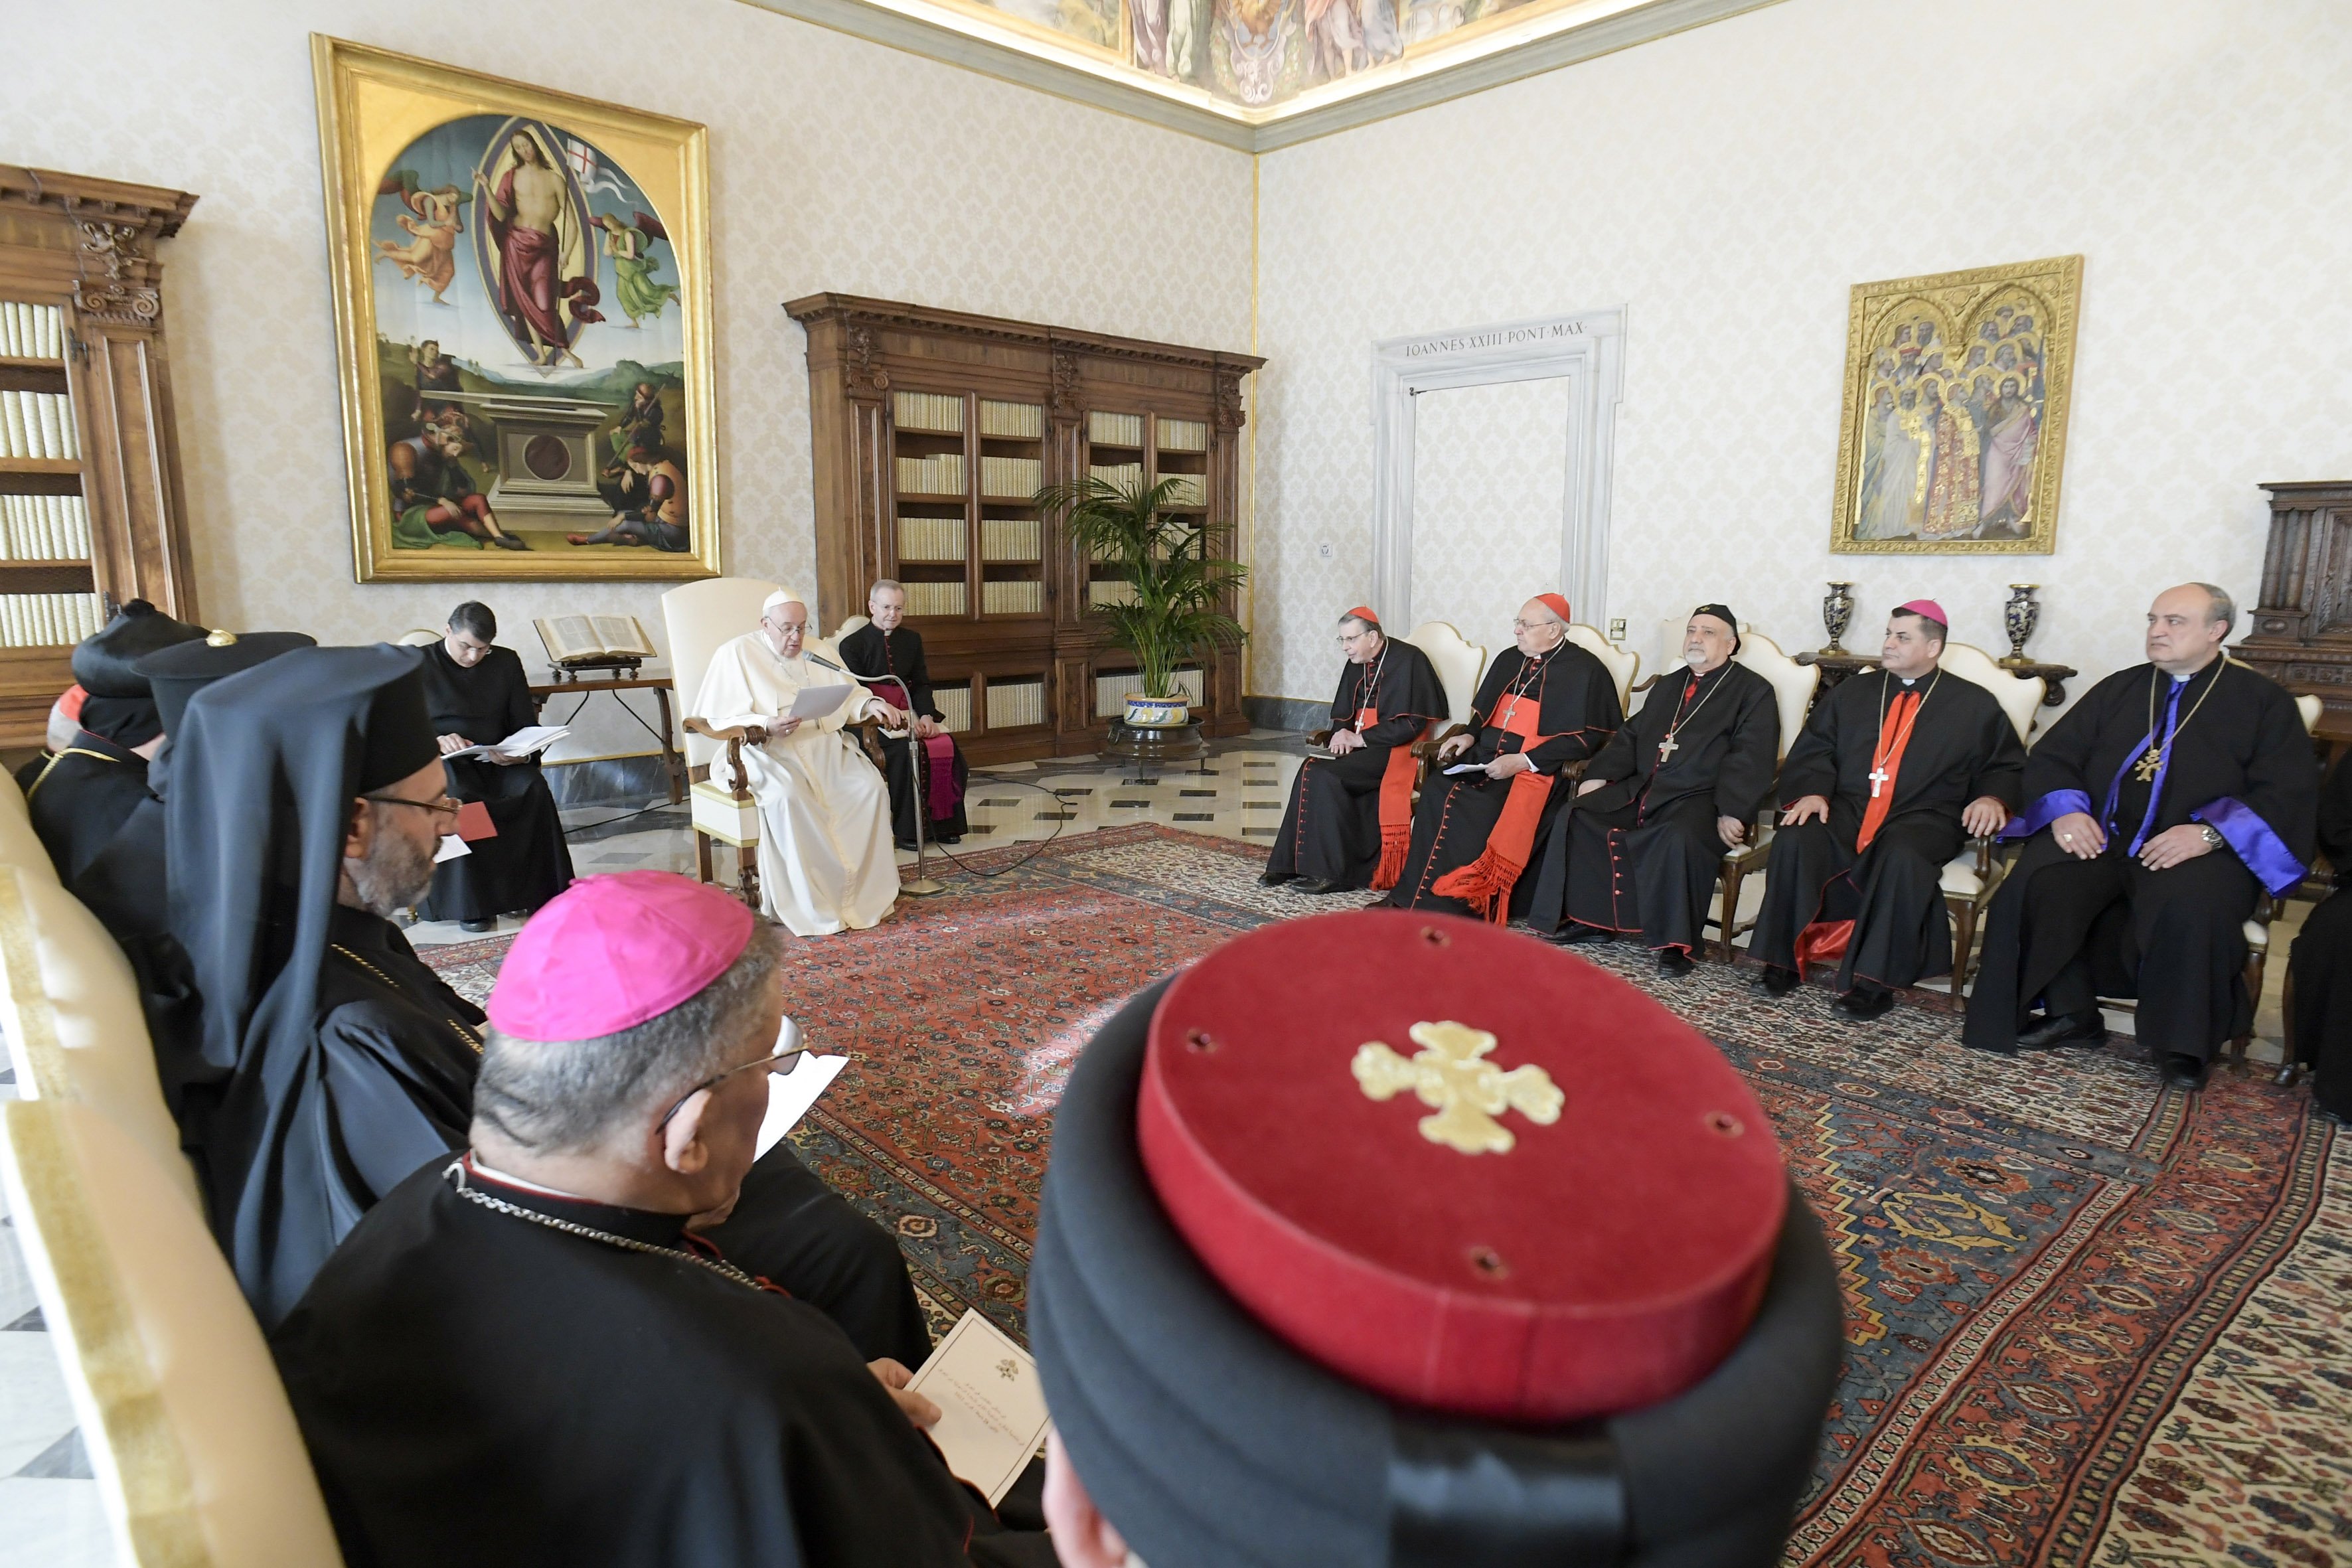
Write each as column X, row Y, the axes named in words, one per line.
column 1350, row 815
column 478, row 696
column 826, row 863
column 1544, row 705
column 1643, row 846
column 1895, row 770
column 2160, row 808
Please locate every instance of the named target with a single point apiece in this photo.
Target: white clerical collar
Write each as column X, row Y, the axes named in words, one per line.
column 484, row 1167
column 1908, row 679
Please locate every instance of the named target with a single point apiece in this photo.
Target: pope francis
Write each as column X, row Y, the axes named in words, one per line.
column 826, row 861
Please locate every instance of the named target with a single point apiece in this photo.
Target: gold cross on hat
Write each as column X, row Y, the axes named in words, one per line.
column 1451, row 1073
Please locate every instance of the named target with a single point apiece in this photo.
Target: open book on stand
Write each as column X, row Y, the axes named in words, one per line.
column 595, row 641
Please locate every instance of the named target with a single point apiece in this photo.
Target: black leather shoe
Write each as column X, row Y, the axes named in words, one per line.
column 1775, row 981
column 1315, row 887
column 2063, row 1030
column 477, row 925
column 1674, row 962
column 2182, row 1070
column 1275, row 879
column 1864, row 1003
column 1575, row 933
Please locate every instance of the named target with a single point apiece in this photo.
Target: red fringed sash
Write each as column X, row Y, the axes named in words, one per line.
column 1485, row 883
column 1396, row 805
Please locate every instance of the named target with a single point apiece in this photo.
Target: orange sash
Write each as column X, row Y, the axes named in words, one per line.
column 1825, row 941
column 1485, row 883
column 1396, row 806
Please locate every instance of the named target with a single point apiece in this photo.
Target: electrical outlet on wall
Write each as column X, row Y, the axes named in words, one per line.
column 1323, row 550
column 1616, row 628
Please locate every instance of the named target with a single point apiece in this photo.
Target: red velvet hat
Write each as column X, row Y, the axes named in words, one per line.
column 1482, row 1176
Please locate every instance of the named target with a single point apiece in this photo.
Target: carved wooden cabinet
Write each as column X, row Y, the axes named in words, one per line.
column 93, row 507
column 2301, row 634
column 933, row 429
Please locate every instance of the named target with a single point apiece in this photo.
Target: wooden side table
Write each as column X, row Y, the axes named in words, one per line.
column 673, row 762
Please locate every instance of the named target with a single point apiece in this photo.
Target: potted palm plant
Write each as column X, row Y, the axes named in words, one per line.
column 1177, row 585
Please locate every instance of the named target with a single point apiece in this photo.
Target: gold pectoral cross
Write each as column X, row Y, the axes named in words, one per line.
column 1451, row 1073
column 2146, row 770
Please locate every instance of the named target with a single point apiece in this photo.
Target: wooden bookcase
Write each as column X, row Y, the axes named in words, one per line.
column 933, row 429
column 77, row 255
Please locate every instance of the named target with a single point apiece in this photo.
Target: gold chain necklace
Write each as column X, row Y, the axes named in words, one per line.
column 2151, row 765
column 472, row 1040
column 720, row 1266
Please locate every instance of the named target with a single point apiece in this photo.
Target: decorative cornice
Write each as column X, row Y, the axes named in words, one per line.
column 860, row 315
column 1406, row 85
column 115, row 227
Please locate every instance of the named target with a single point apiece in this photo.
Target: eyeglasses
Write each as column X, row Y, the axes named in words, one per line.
column 781, row 1061
column 445, row 806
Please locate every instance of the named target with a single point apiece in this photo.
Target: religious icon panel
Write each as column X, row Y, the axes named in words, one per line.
column 1954, row 420
column 523, row 315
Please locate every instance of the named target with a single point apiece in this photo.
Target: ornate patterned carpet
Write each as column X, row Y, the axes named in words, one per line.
column 2090, row 1322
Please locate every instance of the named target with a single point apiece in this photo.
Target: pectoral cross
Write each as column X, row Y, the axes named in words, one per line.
column 1451, row 1073
column 1667, row 748
column 2146, row 771
column 1878, row 777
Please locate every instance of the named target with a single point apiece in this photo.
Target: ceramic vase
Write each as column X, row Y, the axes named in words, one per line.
column 2018, row 617
column 1837, row 614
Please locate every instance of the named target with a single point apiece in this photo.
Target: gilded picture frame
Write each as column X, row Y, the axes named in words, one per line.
column 1952, row 431
column 522, row 325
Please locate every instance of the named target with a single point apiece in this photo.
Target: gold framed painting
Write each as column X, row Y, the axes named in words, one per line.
column 1952, row 434
column 522, row 319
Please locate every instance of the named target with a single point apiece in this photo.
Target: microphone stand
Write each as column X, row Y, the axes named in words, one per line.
column 917, row 762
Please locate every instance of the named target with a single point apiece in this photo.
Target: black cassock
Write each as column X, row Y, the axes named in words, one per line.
column 479, row 1388
column 1331, row 828
column 123, row 886
column 1960, row 746
column 2319, row 970
column 2070, row 930
column 1574, row 701
column 527, row 863
column 1642, row 854
column 867, row 651
column 79, row 797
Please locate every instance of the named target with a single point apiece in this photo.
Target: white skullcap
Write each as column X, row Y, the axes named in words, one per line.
column 782, row 596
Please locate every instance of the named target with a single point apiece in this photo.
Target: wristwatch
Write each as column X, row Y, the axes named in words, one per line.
column 2213, row 839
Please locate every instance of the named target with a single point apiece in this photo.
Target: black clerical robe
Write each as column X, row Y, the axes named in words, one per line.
column 1350, row 819
column 1472, row 835
column 868, row 651
column 527, row 862
column 2232, row 753
column 1957, row 746
column 78, row 798
column 123, row 886
column 475, row 1387
column 1643, row 854
column 2319, row 968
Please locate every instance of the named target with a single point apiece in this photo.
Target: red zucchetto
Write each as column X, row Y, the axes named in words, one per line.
column 1484, row 1177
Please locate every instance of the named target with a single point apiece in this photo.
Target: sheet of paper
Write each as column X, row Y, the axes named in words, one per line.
column 992, row 1406
column 816, row 701
column 790, row 1095
column 1466, row 768
column 531, row 738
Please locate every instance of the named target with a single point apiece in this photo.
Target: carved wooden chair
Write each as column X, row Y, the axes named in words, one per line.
column 1793, row 686
column 1621, row 663
column 1459, row 666
column 1973, row 877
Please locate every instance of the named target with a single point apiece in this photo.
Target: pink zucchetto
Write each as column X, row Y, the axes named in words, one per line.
column 1927, row 607
column 609, row 953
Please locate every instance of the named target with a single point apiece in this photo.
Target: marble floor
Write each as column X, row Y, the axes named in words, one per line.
column 49, row 1512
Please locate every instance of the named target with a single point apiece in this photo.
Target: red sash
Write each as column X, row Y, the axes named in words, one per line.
column 1824, row 942
column 1396, row 805
column 1485, row 883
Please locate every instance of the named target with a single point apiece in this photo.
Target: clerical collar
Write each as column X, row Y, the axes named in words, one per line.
column 1908, row 679
column 638, row 1225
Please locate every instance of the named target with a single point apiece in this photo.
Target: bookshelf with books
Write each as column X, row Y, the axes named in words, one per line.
column 91, row 510
column 933, row 432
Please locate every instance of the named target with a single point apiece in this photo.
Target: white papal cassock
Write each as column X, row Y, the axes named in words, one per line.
column 826, row 861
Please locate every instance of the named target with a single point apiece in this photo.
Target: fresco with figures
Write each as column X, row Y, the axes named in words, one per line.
column 527, row 365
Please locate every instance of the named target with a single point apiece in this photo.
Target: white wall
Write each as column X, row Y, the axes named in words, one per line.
column 1730, row 184
column 836, row 164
